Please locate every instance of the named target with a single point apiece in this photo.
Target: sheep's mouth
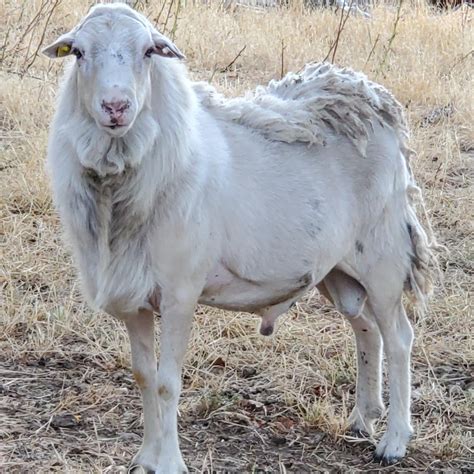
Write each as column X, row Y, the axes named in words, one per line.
column 116, row 130
column 113, row 127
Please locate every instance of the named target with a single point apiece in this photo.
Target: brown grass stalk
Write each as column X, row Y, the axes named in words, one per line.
column 340, row 28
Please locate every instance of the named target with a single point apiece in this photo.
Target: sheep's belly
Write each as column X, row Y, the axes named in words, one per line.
column 227, row 290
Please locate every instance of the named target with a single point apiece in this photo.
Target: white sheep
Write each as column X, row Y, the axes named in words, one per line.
column 171, row 195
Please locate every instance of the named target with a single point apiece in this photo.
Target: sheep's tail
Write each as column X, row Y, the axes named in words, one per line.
column 424, row 269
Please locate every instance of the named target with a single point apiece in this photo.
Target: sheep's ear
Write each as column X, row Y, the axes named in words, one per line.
column 60, row 48
column 165, row 47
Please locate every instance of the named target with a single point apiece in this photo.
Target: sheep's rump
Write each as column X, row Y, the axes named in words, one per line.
column 305, row 107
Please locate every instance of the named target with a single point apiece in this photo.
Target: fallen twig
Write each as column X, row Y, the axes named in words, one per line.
column 233, row 61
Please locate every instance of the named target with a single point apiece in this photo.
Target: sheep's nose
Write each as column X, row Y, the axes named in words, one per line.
column 115, row 109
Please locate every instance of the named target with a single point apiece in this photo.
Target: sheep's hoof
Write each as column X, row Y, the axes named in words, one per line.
column 360, row 427
column 392, row 446
column 141, row 466
column 137, row 469
column 358, row 433
column 386, row 460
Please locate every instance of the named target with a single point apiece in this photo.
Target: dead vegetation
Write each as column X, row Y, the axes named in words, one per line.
column 68, row 402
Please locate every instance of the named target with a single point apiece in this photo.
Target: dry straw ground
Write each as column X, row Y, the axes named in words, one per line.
column 68, row 402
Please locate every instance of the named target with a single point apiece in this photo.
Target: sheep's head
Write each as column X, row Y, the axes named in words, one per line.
column 114, row 48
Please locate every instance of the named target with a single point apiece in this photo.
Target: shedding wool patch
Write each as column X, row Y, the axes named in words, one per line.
column 305, row 107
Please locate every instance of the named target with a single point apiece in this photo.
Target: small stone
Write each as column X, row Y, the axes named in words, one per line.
column 248, row 372
column 278, row 440
column 64, row 420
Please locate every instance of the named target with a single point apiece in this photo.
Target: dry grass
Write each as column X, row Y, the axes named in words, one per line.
column 249, row 404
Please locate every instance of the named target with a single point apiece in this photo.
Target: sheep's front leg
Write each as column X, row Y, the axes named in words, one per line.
column 176, row 320
column 141, row 333
column 160, row 451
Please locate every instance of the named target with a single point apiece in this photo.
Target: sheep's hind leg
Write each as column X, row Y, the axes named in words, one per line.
column 349, row 297
column 369, row 405
column 384, row 289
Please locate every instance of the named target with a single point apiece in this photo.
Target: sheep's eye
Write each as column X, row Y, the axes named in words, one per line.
column 76, row 53
column 149, row 52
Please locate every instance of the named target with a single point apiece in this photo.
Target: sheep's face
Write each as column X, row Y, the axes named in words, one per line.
column 114, row 48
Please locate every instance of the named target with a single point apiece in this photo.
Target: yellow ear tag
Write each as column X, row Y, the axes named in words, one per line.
column 63, row 51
